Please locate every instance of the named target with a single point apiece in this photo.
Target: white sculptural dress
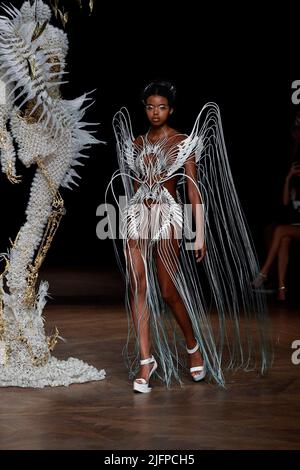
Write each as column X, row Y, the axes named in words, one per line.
column 49, row 132
column 228, row 318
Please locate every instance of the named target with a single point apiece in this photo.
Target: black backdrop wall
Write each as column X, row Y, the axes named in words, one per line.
column 115, row 54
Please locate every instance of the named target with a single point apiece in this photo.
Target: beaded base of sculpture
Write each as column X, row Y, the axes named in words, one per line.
column 19, row 373
column 25, row 350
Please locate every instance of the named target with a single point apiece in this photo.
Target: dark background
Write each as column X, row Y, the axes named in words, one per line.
column 237, row 60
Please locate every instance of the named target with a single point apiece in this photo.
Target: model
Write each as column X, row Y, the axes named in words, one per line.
column 165, row 174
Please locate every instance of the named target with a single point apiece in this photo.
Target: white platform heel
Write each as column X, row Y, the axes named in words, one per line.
column 200, row 369
column 143, row 386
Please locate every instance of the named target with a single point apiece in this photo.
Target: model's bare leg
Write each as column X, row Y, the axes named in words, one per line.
column 139, row 308
column 172, row 297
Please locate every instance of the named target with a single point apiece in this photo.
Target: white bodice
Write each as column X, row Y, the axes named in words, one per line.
column 154, row 163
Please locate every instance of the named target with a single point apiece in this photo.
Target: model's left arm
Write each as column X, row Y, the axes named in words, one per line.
column 197, row 206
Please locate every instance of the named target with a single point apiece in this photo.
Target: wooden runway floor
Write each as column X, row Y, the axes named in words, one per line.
column 251, row 413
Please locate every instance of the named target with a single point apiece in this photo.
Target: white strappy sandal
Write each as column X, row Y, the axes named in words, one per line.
column 143, row 386
column 200, row 369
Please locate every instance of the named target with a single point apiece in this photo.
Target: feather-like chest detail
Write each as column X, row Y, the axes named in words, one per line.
column 156, row 162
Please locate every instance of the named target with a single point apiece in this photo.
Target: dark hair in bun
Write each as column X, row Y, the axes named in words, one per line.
column 160, row 88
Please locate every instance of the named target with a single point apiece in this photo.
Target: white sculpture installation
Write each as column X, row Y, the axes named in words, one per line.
column 49, row 133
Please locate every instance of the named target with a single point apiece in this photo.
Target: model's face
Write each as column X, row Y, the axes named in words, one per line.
column 157, row 110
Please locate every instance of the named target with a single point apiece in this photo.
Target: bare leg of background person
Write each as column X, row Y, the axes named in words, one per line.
column 282, row 231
